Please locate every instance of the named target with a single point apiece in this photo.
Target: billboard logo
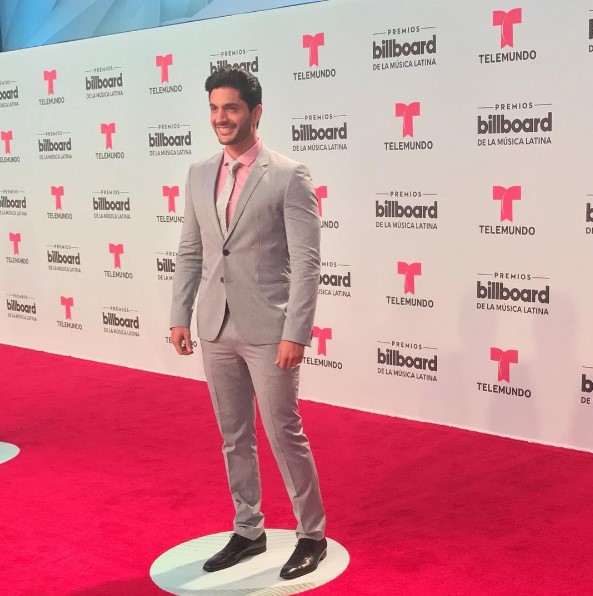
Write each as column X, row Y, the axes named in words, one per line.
column 308, row 132
column 109, row 205
column 165, row 265
column 163, row 62
column 399, row 359
column 8, row 95
column 407, row 112
column 334, row 284
column 116, row 250
column 504, row 359
column 589, row 218
column 116, row 322
column 586, row 387
column 312, row 137
column 391, row 48
column 512, row 296
column 166, row 144
column 407, row 359
column 506, row 21
column 397, row 212
column 312, row 43
column 67, row 303
column 409, row 271
column 63, row 261
column 16, row 206
column 247, row 64
column 496, row 124
column 21, row 310
column 520, row 127
column 97, row 86
column 6, row 136
column 506, row 196
column 171, row 193
column 50, row 76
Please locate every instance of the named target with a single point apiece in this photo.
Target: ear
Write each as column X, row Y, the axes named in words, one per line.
column 256, row 113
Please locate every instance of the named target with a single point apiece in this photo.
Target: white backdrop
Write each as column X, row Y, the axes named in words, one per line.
column 455, row 199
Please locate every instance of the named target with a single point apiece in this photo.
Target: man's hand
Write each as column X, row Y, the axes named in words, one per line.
column 289, row 354
column 181, row 339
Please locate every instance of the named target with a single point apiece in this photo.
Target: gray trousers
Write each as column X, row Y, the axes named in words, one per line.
column 235, row 371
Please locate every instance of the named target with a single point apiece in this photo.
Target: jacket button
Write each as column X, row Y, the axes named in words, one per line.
column 225, row 252
column 222, row 280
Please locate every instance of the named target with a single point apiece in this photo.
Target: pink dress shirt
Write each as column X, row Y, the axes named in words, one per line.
column 246, row 160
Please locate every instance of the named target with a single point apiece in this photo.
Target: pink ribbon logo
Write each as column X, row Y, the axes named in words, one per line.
column 506, row 21
column 506, row 196
column 58, row 192
column 163, row 62
column 50, row 76
column 15, row 238
column 322, row 335
column 171, row 193
column 6, row 136
column 407, row 112
column 409, row 271
column 116, row 250
column 504, row 360
column 321, row 193
column 67, row 303
column 108, row 130
column 313, row 42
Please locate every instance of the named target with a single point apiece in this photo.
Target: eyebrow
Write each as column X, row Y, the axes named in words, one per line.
column 226, row 105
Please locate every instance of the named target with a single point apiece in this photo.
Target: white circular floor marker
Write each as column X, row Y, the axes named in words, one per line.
column 7, row 452
column 179, row 570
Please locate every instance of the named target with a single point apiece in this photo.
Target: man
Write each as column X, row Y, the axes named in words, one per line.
column 250, row 244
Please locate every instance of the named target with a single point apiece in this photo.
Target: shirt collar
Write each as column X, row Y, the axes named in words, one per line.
column 247, row 158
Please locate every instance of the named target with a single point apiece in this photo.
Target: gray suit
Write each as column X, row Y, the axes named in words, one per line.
column 267, row 271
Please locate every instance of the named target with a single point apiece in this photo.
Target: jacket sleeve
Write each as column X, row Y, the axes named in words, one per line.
column 301, row 220
column 188, row 265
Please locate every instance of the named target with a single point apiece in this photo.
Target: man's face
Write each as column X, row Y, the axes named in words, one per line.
column 230, row 117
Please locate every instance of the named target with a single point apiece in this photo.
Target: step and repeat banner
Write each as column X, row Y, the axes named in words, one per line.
column 450, row 146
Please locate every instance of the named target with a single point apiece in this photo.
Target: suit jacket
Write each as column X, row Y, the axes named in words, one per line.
column 267, row 268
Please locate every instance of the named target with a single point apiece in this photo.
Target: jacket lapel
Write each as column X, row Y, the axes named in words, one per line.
column 259, row 168
column 208, row 180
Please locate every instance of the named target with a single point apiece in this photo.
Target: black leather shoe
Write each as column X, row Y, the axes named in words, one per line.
column 238, row 548
column 306, row 557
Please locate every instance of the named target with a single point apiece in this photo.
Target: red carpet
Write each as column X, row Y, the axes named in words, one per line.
column 117, row 466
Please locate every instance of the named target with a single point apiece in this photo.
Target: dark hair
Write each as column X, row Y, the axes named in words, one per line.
column 246, row 84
